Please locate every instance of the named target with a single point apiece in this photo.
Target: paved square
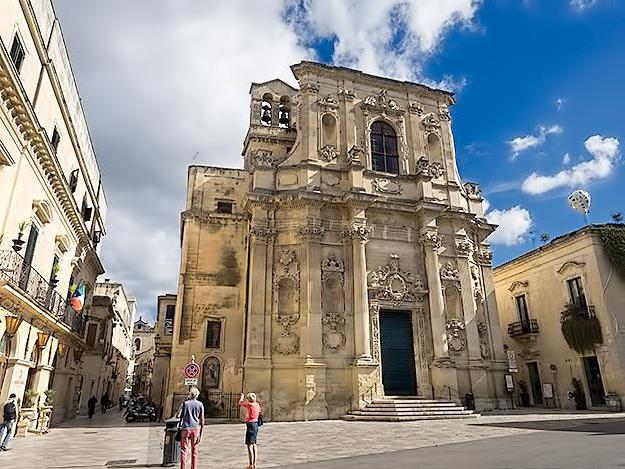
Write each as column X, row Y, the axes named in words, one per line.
column 107, row 441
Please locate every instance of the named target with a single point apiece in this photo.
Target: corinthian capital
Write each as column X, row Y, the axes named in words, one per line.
column 311, row 233
column 484, row 256
column 431, row 239
column 261, row 234
column 357, row 232
column 464, row 247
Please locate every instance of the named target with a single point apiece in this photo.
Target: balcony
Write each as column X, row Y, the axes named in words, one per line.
column 581, row 328
column 31, row 283
column 523, row 329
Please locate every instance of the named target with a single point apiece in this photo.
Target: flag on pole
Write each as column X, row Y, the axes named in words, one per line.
column 77, row 300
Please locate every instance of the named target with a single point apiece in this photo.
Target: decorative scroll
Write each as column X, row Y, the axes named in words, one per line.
column 287, row 343
column 386, row 186
column 455, row 335
column 392, row 283
column 482, row 330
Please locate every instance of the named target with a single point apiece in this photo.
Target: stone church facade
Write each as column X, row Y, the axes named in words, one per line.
column 346, row 261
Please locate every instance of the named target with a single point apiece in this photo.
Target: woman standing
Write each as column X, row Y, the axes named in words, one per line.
column 251, row 426
column 191, row 414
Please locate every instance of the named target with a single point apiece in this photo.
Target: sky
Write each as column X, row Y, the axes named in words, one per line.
column 165, row 83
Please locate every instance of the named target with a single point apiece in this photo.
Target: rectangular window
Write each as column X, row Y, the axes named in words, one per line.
column 170, row 312
column 92, row 329
column 54, row 141
column 17, row 53
column 521, row 306
column 213, row 334
column 224, row 207
column 85, row 210
column 73, row 180
column 576, row 292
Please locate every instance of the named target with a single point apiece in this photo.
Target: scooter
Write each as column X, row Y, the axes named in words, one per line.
column 141, row 413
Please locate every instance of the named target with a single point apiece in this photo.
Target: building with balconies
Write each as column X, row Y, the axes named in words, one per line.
column 52, row 213
column 564, row 305
column 143, row 338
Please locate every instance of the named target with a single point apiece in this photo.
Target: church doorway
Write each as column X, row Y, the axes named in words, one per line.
column 397, row 353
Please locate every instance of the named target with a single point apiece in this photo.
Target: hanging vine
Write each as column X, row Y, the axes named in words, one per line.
column 582, row 331
column 613, row 239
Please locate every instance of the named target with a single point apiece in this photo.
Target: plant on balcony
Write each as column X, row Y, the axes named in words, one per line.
column 580, row 330
column 50, row 395
column 54, row 281
column 613, row 240
column 19, row 242
column 30, row 398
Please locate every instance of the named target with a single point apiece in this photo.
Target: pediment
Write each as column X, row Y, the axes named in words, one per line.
column 518, row 285
column 570, row 265
column 276, row 87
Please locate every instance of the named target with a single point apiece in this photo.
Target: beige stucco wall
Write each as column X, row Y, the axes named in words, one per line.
column 541, row 275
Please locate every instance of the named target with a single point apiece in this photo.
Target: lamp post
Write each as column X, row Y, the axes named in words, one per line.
column 13, row 323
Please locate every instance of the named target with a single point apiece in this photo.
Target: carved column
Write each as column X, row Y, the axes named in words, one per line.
column 444, row 376
column 310, row 237
column 256, row 338
column 360, row 235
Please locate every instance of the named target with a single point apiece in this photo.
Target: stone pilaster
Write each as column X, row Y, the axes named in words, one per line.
column 359, row 235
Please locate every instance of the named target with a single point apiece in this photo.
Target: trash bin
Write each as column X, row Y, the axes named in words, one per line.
column 469, row 401
column 171, row 447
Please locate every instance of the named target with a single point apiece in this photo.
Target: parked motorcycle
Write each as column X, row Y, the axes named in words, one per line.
column 140, row 412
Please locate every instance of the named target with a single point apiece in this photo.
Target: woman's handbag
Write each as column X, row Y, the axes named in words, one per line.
column 261, row 420
column 178, row 436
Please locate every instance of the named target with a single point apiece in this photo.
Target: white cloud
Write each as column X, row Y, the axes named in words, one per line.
column 514, row 223
column 519, row 144
column 566, row 159
column 559, row 103
column 582, row 5
column 388, row 37
column 604, row 151
column 163, row 80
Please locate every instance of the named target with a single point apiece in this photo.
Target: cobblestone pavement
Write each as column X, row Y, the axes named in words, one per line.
column 107, row 441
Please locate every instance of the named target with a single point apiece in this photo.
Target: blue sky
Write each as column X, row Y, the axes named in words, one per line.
column 162, row 81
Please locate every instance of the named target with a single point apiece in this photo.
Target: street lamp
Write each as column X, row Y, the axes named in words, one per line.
column 13, row 323
column 62, row 349
column 42, row 339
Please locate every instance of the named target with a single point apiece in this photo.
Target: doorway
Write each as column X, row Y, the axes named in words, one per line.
column 537, row 389
column 397, row 353
column 595, row 383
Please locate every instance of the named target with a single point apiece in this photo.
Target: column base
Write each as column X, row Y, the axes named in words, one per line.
column 445, row 379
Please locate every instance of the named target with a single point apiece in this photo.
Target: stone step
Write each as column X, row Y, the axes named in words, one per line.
column 401, row 418
column 403, row 405
column 412, row 411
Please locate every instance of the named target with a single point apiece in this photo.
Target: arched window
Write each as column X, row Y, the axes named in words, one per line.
column 384, row 156
column 266, row 110
column 137, row 344
column 284, row 113
column 210, row 373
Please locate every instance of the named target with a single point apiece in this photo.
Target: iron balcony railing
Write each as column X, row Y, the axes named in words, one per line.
column 520, row 328
column 15, row 271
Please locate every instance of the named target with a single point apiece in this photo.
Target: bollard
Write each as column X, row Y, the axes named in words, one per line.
column 171, row 447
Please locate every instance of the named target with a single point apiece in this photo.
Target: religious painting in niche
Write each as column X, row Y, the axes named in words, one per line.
column 210, row 373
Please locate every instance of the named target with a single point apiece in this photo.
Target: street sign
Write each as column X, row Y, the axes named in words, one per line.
column 512, row 363
column 192, row 370
column 190, row 381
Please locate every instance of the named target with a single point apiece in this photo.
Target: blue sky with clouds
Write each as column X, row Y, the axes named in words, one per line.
column 538, row 114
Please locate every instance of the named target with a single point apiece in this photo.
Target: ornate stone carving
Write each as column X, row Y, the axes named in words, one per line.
column 570, row 265
column 354, row 156
column 260, row 234
column 374, row 318
column 287, row 343
column 430, row 123
column 456, row 340
column 328, row 153
column 309, row 86
column 344, row 93
column 464, row 247
column 329, row 101
column 449, row 273
column 311, row 232
column 263, row 159
column 333, row 334
column 444, row 114
column 482, row 330
column 358, row 232
column 473, row 189
column 417, row 108
column 477, row 286
column 484, row 257
column 382, row 101
column 332, row 264
column 518, row 284
column 386, row 186
column 287, row 267
column 432, row 240
column 428, row 169
column 392, row 283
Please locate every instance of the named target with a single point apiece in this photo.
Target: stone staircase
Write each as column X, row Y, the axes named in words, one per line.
column 404, row 408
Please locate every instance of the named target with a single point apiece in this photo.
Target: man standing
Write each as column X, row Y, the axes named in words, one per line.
column 191, row 414
column 104, row 402
column 91, row 403
column 9, row 419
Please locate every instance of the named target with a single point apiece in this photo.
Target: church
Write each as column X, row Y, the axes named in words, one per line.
column 346, row 262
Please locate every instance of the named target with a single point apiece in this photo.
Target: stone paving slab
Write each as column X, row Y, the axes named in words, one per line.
column 107, row 441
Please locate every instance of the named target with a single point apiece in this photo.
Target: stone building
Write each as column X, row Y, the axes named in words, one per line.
column 52, row 213
column 109, row 342
column 575, row 284
column 347, row 260
column 163, row 333
column 143, row 337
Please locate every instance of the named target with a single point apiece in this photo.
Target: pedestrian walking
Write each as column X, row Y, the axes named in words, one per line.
column 252, row 422
column 121, row 402
column 10, row 415
column 191, row 414
column 104, row 402
column 91, row 403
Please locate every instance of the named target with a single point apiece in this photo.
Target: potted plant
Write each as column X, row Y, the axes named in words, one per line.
column 54, row 281
column 579, row 395
column 524, row 395
column 50, row 395
column 28, row 413
column 19, row 242
column 30, row 398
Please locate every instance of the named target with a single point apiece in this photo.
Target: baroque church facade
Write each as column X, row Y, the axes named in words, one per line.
column 346, row 261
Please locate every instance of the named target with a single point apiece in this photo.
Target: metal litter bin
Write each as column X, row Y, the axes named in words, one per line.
column 171, row 447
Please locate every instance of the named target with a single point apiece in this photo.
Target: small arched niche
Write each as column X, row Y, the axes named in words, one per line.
column 332, row 295
column 266, row 110
column 328, row 130
column 453, row 302
column 435, row 148
column 210, row 373
column 287, row 297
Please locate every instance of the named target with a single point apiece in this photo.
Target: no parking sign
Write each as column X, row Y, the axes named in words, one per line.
column 192, row 370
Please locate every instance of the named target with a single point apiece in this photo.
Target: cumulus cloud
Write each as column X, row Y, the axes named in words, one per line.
column 514, row 223
column 388, row 37
column 604, row 151
column 520, row 144
column 162, row 81
column 582, row 5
